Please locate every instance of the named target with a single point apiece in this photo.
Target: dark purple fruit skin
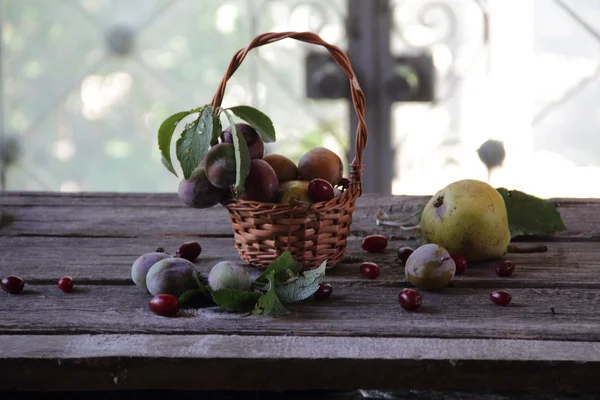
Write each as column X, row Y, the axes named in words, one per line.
column 324, row 291
column 404, row 253
column 256, row 146
column 500, row 297
column 261, row 183
column 165, row 305
column 189, row 250
column 320, row 190
column 461, row 264
column 369, row 270
column 198, row 192
column 410, row 299
column 374, row 243
column 219, row 163
column 12, row 284
column 505, row 268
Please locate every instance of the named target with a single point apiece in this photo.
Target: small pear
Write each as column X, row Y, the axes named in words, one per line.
column 291, row 191
column 468, row 218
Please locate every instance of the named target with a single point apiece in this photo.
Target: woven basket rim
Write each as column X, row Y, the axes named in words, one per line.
column 258, row 208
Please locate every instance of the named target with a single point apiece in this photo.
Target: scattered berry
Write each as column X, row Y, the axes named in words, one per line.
column 12, row 284
column 189, row 250
column 165, row 305
column 461, row 264
column 505, row 268
column 65, row 284
column 160, row 250
column 369, row 270
column 410, row 299
column 500, row 297
column 374, row 243
column 404, row 253
column 324, row 291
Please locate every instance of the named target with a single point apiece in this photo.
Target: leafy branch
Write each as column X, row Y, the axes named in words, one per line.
column 281, row 283
column 198, row 136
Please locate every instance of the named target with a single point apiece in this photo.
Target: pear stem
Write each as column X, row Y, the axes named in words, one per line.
column 531, row 249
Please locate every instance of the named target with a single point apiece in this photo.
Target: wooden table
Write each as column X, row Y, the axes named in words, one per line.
column 103, row 335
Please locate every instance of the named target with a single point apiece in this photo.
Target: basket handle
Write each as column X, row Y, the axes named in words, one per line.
column 358, row 97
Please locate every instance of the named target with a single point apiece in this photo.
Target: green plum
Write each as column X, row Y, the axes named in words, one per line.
column 430, row 267
column 140, row 267
column 228, row 275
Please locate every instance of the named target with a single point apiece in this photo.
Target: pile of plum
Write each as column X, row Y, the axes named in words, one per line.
column 273, row 178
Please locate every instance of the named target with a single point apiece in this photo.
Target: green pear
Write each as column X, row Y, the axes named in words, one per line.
column 468, row 218
column 291, row 191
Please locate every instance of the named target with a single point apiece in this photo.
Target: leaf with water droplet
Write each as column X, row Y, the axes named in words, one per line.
column 242, row 157
column 195, row 141
column 165, row 134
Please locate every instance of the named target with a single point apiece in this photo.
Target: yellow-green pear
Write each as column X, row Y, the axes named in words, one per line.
column 468, row 218
column 291, row 191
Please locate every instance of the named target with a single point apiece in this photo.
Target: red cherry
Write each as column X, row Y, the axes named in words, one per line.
column 166, row 305
column 500, row 297
column 369, row 270
column 320, row 190
column 324, row 291
column 374, row 243
column 410, row 299
column 505, row 268
column 65, row 284
column 461, row 264
column 12, row 284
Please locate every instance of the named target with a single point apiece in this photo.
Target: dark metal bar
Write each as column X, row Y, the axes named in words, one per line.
column 2, row 122
column 369, row 24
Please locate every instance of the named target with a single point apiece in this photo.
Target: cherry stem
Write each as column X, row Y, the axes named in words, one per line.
column 542, row 248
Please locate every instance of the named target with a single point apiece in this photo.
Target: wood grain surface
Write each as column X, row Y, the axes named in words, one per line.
column 211, row 362
column 103, row 336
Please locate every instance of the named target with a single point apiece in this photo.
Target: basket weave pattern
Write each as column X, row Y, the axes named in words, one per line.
column 262, row 231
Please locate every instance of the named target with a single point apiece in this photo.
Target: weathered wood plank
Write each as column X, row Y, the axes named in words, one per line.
column 108, row 261
column 353, row 310
column 233, row 362
column 160, row 214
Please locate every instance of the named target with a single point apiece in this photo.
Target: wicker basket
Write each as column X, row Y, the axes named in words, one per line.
column 313, row 234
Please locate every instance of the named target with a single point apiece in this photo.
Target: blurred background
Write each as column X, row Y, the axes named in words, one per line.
column 506, row 91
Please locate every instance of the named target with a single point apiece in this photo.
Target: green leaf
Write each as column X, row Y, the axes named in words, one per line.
column 242, row 157
column 303, row 287
column 217, row 129
column 195, row 298
column 269, row 304
column 258, row 120
column 233, row 299
column 195, row 141
column 530, row 215
column 201, row 286
column 280, row 266
column 168, row 165
column 165, row 134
